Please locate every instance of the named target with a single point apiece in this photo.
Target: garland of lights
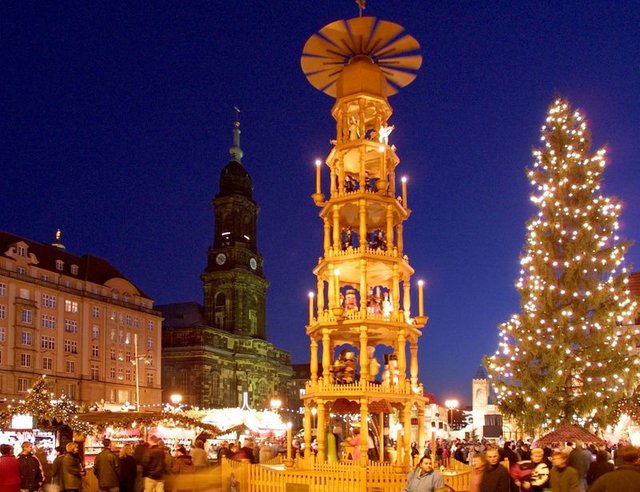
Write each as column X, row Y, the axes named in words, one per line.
column 46, row 408
column 568, row 354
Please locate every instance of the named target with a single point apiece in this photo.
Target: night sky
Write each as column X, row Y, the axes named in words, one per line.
column 117, row 116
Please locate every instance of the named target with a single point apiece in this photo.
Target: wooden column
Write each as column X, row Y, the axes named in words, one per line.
column 320, row 306
column 406, row 422
column 422, row 434
column 364, row 358
column 313, row 350
column 326, row 239
column 402, row 357
column 307, row 428
column 413, row 362
column 406, row 297
column 326, row 355
column 362, row 230
column 321, row 457
column 364, row 432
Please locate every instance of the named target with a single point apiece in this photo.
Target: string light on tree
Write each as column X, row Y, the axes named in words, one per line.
column 566, row 352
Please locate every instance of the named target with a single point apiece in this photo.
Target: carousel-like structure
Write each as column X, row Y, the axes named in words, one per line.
column 363, row 333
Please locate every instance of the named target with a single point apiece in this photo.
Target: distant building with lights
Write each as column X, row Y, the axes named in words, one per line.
column 75, row 320
column 214, row 353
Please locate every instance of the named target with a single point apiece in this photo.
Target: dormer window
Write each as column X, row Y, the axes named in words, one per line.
column 22, row 251
column 74, row 269
column 59, row 265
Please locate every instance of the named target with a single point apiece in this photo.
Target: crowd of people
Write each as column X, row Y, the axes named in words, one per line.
column 519, row 467
column 149, row 466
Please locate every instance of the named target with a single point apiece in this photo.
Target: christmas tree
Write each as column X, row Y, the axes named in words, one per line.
column 568, row 354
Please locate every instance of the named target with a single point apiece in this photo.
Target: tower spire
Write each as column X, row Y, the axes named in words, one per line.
column 235, row 150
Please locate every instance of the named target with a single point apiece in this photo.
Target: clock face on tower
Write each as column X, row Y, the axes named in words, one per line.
column 253, row 263
column 221, row 258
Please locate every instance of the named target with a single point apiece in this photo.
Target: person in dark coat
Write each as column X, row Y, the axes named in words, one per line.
column 72, row 469
column 563, row 478
column 105, row 468
column 31, row 475
column 496, row 477
column 154, row 466
column 128, row 469
column 580, row 459
column 624, row 478
column 56, row 469
column 9, row 470
column 599, row 467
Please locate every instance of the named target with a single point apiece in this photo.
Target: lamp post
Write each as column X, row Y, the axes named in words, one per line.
column 451, row 405
column 147, row 359
column 176, row 400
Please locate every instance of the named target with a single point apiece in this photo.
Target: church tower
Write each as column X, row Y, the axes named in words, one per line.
column 363, row 337
column 234, row 284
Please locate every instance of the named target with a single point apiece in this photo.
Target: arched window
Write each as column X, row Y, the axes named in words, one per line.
column 220, row 308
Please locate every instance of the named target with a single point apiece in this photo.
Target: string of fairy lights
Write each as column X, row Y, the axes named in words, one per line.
column 568, row 353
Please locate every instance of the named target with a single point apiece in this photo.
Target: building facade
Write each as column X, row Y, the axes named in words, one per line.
column 75, row 319
column 214, row 353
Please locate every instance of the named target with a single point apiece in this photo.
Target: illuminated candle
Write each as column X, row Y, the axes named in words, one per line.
column 318, row 165
column 311, row 296
column 404, row 191
column 420, row 298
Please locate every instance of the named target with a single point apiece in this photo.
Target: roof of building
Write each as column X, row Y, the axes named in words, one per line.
column 481, row 373
column 181, row 314
column 90, row 268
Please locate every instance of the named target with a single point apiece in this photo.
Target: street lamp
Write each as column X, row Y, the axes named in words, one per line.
column 176, row 399
column 147, row 359
column 451, row 405
column 275, row 403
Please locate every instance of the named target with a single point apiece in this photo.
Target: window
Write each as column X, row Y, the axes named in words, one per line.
column 112, row 373
column 26, row 316
column 3, row 311
column 59, row 265
column 95, row 311
column 112, row 354
column 121, row 336
column 25, row 360
column 129, row 320
column 95, row 331
column 26, row 338
column 70, row 366
column 47, row 363
column 150, row 325
column 253, row 320
column 95, row 351
column 47, row 342
column 44, row 277
column 112, row 336
column 136, row 322
column 74, row 269
column 127, row 356
column 23, row 385
column 120, row 374
column 22, row 251
column 3, row 334
column 71, row 346
column 149, row 379
column 48, row 321
column 127, row 338
column 70, row 326
column 95, row 372
column 3, row 289
column 21, row 270
column 71, row 391
column 220, row 307
column 149, row 343
column 127, row 374
column 48, row 301
column 70, row 306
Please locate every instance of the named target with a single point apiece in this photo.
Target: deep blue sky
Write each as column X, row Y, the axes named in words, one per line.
column 116, row 120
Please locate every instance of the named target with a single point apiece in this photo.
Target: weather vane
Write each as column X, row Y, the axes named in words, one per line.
column 237, row 110
column 362, row 4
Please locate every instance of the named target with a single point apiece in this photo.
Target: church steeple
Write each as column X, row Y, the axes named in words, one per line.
column 233, row 281
column 235, row 150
